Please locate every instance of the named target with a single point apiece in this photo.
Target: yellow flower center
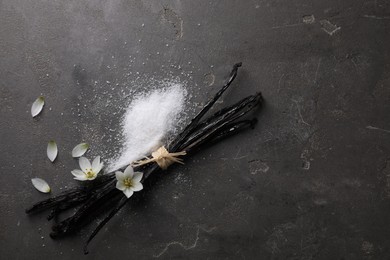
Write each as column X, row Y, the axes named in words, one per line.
column 90, row 174
column 128, row 182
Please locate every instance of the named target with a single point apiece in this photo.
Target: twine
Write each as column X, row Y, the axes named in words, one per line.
column 162, row 157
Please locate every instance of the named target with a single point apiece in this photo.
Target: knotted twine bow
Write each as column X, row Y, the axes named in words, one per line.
column 162, row 157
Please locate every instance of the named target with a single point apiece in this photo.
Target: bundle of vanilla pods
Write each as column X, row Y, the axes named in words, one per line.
column 101, row 195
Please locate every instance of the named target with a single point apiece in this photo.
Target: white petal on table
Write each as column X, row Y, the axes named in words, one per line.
column 40, row 185
column 52, row 150
column 37, row 106
column 80, row 149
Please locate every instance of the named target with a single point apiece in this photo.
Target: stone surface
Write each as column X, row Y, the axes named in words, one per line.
column 312, row 181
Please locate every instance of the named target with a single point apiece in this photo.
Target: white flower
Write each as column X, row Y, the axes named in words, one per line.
column 88, row 171
column 129, row 181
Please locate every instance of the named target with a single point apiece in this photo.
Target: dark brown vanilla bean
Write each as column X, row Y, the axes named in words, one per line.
column 79, row 194
column 207, row 107
column 236, row 111
column 226, row 131
column 87, row 210
column 250, row 102
column 120, row 205
column 53, row 202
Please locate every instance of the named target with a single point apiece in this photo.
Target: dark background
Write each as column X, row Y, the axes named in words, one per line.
column 312, row 181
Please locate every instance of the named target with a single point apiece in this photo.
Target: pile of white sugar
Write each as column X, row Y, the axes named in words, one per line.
column 147, row 122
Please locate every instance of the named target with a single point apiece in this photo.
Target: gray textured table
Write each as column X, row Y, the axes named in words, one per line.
column 312, row 181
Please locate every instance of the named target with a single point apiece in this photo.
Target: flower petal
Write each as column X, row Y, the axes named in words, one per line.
column 137, row 176
column 40, row 185
column 119, row 175
column 52, row 150
column 120, row 185
column 85, row 164
column 84, row 178
column 96, row 165
column 137, row 186
column 129, row 172
column 80, row 149
column 128, row 193
column 37, row 106
column 79, row 174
